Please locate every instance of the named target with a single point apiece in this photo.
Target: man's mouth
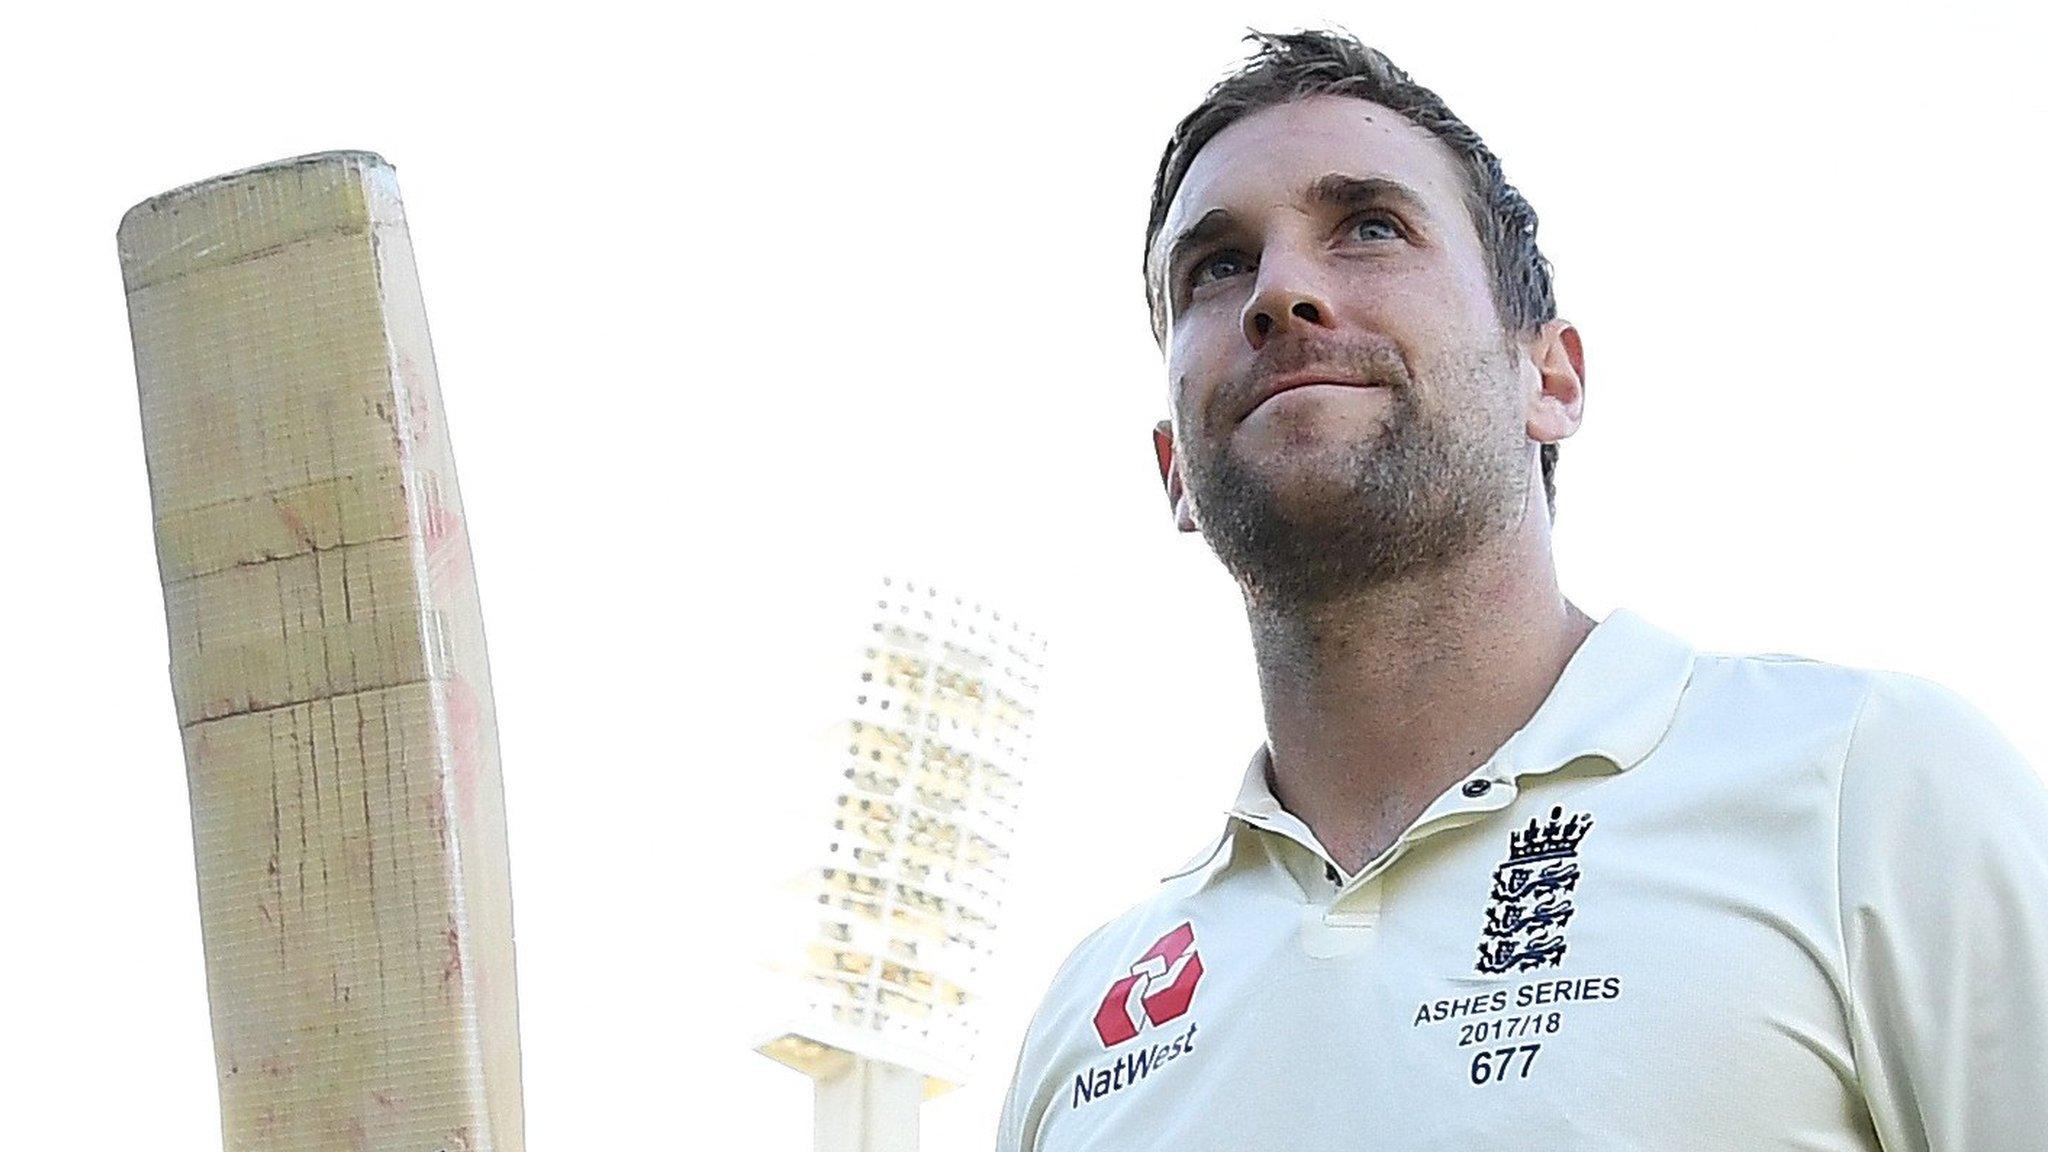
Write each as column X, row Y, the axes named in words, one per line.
column 1294, row 381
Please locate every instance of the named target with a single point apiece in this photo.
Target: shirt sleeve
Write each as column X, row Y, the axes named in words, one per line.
column 1943, row 872
column 1024, row 1103
column 1010, row 1128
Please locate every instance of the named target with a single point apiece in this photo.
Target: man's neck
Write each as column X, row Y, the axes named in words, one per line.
column 1376, row 704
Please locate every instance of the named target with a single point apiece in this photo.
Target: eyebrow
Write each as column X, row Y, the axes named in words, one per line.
column 1336, row 190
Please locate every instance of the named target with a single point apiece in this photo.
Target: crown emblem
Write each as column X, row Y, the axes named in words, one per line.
column 1559, row 837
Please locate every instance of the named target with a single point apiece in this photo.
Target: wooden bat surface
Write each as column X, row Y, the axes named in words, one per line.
column 327, row 664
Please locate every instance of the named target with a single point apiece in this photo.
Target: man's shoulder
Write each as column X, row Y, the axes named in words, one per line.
column 1848, row 693
column 1885, row 728
column 1152, row 936
column 1922, row 744
column 1781, row 672
column 1118, row 942
column 1804, row 691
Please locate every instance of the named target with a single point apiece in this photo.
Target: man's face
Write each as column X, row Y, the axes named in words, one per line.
column 1331, row 240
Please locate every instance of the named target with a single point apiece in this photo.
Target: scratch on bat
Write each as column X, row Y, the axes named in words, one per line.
column 451, row 968
column 276, row 852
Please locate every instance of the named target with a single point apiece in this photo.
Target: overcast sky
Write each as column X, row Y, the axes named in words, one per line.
column 736, row 315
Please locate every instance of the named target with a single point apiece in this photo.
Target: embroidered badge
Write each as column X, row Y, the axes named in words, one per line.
column 1532, row 895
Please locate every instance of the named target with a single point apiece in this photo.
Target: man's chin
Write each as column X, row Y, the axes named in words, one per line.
column 1263, row 438
column 1299, row 462
column 1308, row 484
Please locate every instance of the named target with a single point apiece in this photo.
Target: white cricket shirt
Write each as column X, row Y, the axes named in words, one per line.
column 1698, row 902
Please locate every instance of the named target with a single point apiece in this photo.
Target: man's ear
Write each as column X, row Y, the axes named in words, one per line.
column 1558, row 404
column 1176, row 492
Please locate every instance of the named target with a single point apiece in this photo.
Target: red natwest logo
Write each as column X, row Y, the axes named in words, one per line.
column 1158, row 989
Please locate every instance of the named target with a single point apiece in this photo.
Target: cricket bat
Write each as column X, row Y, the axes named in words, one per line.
column 327, row 666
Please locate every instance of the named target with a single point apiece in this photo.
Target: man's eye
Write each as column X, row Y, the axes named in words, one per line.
column 1225, row 264
column 1379, row 221
column 1221, row 265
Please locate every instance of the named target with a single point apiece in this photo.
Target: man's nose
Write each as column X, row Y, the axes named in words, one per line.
column 1287, row 294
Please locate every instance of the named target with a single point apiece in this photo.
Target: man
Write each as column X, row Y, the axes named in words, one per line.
column 1501, row 876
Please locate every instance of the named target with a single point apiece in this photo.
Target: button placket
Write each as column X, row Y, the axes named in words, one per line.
column 1342, row 928
column 1358, row 908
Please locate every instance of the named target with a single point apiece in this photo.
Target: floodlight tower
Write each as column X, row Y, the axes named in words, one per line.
column 901, row 910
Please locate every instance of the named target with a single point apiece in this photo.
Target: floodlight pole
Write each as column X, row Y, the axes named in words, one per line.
column 867, row 1105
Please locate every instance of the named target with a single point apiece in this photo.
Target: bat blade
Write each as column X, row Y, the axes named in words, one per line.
column 327, row 665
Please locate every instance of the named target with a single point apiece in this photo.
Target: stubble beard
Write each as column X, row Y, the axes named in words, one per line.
column 1421, row 493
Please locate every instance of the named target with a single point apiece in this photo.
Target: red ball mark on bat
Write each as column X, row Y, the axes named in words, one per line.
column 448, row 562
column 416, row 420
column 294, row 523
column 434, row 517
column 465, row 734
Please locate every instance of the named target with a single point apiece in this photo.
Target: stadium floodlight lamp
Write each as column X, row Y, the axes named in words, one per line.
column 903, row 906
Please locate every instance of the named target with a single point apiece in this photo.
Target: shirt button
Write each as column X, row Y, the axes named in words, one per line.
column 1477, row 788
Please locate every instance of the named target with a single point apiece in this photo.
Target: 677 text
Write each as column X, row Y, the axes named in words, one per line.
column 1500, row 1063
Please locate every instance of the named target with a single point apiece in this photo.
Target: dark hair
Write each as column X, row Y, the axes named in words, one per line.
column 1289, row 67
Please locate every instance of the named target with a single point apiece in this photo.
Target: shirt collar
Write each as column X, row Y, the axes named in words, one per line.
column 1613, row 703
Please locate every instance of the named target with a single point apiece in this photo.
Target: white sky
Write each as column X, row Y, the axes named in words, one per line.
column 734, row 315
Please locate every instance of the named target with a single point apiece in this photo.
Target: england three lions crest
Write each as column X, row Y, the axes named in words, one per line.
column 1531, row 896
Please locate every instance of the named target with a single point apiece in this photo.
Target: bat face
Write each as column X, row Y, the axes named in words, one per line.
column 328, row 665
